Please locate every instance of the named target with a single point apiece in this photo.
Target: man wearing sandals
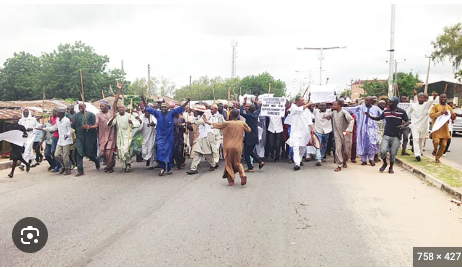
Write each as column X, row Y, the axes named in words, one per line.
column 394, row 117
column 343, row 124
column 440, row 133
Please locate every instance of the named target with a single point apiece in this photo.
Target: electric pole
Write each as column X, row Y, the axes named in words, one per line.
column 321, row 49
column 428, row 73
column 392, row 51
column 149, row 80
column 123, row 78
column 233, row 63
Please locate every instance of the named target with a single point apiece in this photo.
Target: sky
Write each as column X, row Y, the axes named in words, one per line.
column 182, row 40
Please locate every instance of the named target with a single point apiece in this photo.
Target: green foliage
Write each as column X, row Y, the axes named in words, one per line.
column 407, row 83
column 449, row 45
column 136, row 100
column 259, row 84
column 375, row 88
column 25, row 76
column 345, row 92
column 205, row 88
column 69, row 101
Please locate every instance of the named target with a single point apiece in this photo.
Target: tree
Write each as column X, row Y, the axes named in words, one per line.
column 19, row 78
column 24, row 76
column 375, row 88
column 346, row 92
column 449, row 45
column 259, row 84
column 407, row 83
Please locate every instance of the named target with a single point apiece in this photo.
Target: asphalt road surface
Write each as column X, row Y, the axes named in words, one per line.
column 313, row 217
column 453, row 157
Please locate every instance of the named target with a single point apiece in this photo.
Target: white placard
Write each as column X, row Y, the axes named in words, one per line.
column 322, row 93
column 273, row 106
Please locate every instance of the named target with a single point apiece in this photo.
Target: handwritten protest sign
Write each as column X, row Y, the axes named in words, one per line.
column 273, row 106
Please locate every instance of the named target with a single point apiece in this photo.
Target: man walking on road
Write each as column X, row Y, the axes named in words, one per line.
column 251, row 138
column 164, row 135
column 394, row 117
column 232, row 146
column 419, row 116
column 366, row 130
column 86, row 142
column 343, row 125
column 322, row 127
column 301, row 129
column 64, row 128
column 106, row 134
column 203, row 146
column 441, row 114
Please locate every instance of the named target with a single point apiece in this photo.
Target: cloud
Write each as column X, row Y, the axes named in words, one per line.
column 182, row 40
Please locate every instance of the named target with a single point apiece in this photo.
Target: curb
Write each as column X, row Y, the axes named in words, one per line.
column 429, row 178
column 5, row 165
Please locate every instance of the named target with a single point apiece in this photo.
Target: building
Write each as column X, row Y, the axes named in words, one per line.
column 8, row 109
column 357, row 88
column 452, row 90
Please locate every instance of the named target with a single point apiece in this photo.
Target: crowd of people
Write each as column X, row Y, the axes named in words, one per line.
column 164, row 135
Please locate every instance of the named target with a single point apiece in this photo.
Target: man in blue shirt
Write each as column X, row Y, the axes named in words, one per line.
column 164, row 137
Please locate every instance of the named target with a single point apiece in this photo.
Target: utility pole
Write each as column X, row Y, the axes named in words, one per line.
column 392, row 51
column 233, row 64
column 149, row 81
column 321, row 49
column 396, row 75
column 123, row 78
column 428, row 73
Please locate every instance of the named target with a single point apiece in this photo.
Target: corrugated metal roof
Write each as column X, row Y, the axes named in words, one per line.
column 10, row 108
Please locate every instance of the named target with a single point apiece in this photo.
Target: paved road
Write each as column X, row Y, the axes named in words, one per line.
column 453, row 157
column 313, row 217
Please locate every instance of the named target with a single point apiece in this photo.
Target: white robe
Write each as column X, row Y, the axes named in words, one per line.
column 29, row 122
column 419, row 116
column 300, row 121
column 149, row 137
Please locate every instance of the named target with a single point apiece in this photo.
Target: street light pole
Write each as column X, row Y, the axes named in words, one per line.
column 321, row 49
column 428, row 73
column 392, row 50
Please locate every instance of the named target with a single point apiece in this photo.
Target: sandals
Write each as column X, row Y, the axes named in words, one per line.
column 345, row 165
column 338, row 169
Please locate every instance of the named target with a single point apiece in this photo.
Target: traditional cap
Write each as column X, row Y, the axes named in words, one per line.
column 382, row 100
column 395, row 99
column 171, row 105
column 214, row 106
column 26, row 109
column 164, row 105
column 70, row 106
column 61, row 110
column 105, row 102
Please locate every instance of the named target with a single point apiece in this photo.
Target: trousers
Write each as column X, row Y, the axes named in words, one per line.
column 80, row 161
column 389, row 144
column 299, row 152
column 249, row 151
column 321, row 152
column 198, row 157
column 442, row 143
column 62, row 156
column 274, row 145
